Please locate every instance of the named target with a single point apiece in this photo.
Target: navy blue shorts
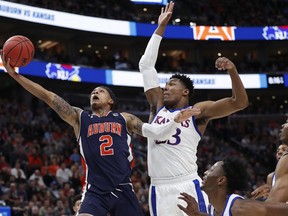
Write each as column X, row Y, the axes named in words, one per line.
column 120, row 202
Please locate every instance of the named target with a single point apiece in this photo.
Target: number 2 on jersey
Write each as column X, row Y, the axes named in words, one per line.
column 105, row 147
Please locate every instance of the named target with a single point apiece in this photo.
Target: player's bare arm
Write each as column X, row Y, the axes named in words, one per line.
column 61, row 107
column 226, row 106
column 257, row 208
column 278, row 192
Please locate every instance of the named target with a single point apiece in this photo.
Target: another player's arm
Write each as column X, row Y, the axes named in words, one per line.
column 226, row 106
column 61, row 107
column 278, row 192
column 164, row 131
column 153, row 92
column 256, row 208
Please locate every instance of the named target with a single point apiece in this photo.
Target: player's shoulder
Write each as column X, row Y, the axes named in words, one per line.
column 242, row 207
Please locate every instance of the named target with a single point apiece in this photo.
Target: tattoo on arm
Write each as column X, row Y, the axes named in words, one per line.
column 62, row 107
column 135, row 125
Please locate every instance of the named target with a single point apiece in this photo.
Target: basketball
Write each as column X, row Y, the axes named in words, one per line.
column 19, row 49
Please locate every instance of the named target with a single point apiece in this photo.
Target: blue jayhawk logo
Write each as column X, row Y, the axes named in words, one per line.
column 275, row 33
column 63, row 72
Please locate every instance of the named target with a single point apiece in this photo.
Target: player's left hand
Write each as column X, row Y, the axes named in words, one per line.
column 192, row 206
column 223, row 63
column 184, row 114
column 262, row 191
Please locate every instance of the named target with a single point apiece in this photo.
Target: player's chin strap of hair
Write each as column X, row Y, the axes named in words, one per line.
column 148, row 61
column 160, row 132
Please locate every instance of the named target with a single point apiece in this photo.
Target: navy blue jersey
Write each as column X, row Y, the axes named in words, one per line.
column 105, row 147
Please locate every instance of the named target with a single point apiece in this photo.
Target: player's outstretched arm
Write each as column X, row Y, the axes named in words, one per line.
column 153, row 92
column 161, row 132
column 62, row 108
column 226, row 106
column 257, row 208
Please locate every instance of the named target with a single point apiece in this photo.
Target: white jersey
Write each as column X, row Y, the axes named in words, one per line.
column 177, row 156
column 228, row 205
column 273, row 179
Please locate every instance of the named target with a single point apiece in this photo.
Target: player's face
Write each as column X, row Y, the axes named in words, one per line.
column 211, row 177
column 284, row 133
column 100, row 98
column 173, row 92
column 282, row 149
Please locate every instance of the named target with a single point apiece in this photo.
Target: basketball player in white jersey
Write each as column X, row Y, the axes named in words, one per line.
column 172, row 162
column 220, row 183
column 263, row 191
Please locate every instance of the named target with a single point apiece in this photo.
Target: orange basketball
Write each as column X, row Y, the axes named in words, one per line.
column 19, row 49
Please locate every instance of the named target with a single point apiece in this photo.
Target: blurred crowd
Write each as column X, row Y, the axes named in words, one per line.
column 181, row 59
column 205, row 12
column 41, row 172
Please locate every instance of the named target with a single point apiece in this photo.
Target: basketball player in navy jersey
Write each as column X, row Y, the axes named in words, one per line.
column 262, row 192
column 104, row 141
column 172, row 162
column 220, row 183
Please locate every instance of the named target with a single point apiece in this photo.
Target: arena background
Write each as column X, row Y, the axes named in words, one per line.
column 35, row 138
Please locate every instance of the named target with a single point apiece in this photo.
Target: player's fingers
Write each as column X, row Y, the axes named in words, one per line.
column 182, row 208
column 171, row 6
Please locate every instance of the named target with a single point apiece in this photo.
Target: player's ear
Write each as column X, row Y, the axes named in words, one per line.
column 186, row 92
column 111, row 101
column 222, row 180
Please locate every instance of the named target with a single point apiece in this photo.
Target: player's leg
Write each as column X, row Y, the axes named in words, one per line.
column 125, row 202
column 94, row 204
column 163, row 199
column 193, row 187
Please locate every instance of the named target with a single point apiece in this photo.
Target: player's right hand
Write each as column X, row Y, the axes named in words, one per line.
column 184, row 114
column 10, row 70
column 166, row 14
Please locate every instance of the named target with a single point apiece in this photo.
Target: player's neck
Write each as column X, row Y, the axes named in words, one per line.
column 102, row 112
column 178, row 105
column 218, row 200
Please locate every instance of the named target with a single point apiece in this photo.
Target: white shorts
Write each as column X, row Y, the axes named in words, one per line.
column 163, row 195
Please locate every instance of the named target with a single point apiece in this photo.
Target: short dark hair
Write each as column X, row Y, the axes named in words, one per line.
column 112, row 95
column 236, row 174
column 187, row 82
column 76, row 198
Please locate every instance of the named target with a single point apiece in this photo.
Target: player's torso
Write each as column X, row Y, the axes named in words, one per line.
column 105, row 146
column 177, row 155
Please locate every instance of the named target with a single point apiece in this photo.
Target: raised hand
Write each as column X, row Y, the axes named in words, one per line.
column 223, row 63
column 166, row 14
column 184, row 114
column 10, row 70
